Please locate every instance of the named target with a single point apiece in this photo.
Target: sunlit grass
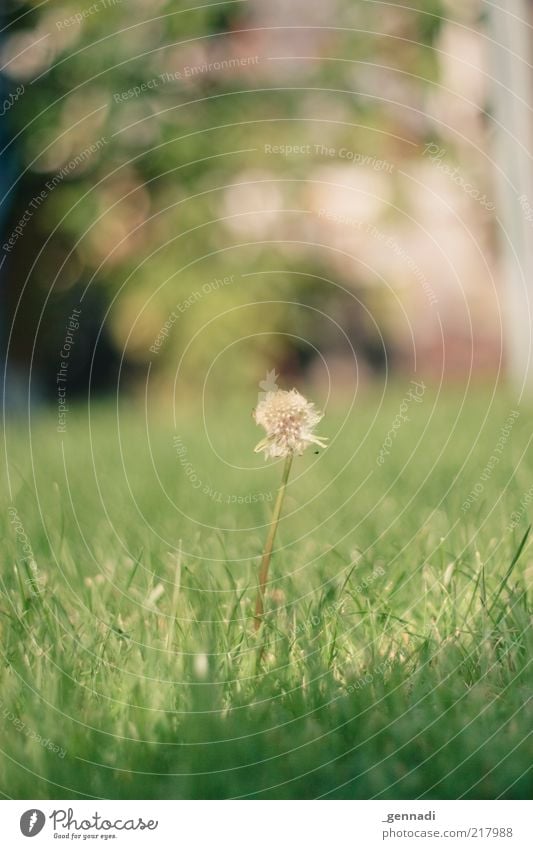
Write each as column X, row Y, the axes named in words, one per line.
column 394, row 655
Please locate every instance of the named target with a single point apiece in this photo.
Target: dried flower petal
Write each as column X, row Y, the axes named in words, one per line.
column 289, row 421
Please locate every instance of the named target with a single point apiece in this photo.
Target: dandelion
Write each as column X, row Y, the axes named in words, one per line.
column 289, row 421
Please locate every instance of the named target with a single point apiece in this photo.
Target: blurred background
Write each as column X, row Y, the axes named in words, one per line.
column 338, row 191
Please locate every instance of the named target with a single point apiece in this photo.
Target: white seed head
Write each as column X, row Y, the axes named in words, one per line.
column 289, row 421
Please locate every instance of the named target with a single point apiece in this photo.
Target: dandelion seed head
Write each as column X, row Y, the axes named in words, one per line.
column 289, row 421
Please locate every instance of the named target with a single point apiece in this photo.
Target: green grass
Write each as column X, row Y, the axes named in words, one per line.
column 394, row 659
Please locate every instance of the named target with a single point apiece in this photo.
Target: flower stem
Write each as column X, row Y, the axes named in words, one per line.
column 267, row 553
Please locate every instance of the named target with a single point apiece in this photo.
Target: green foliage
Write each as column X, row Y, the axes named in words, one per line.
column 146, row 218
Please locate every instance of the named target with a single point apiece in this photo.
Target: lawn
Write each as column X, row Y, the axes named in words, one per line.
column 394, row 657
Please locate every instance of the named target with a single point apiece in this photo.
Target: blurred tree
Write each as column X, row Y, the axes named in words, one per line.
column 144, row 131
